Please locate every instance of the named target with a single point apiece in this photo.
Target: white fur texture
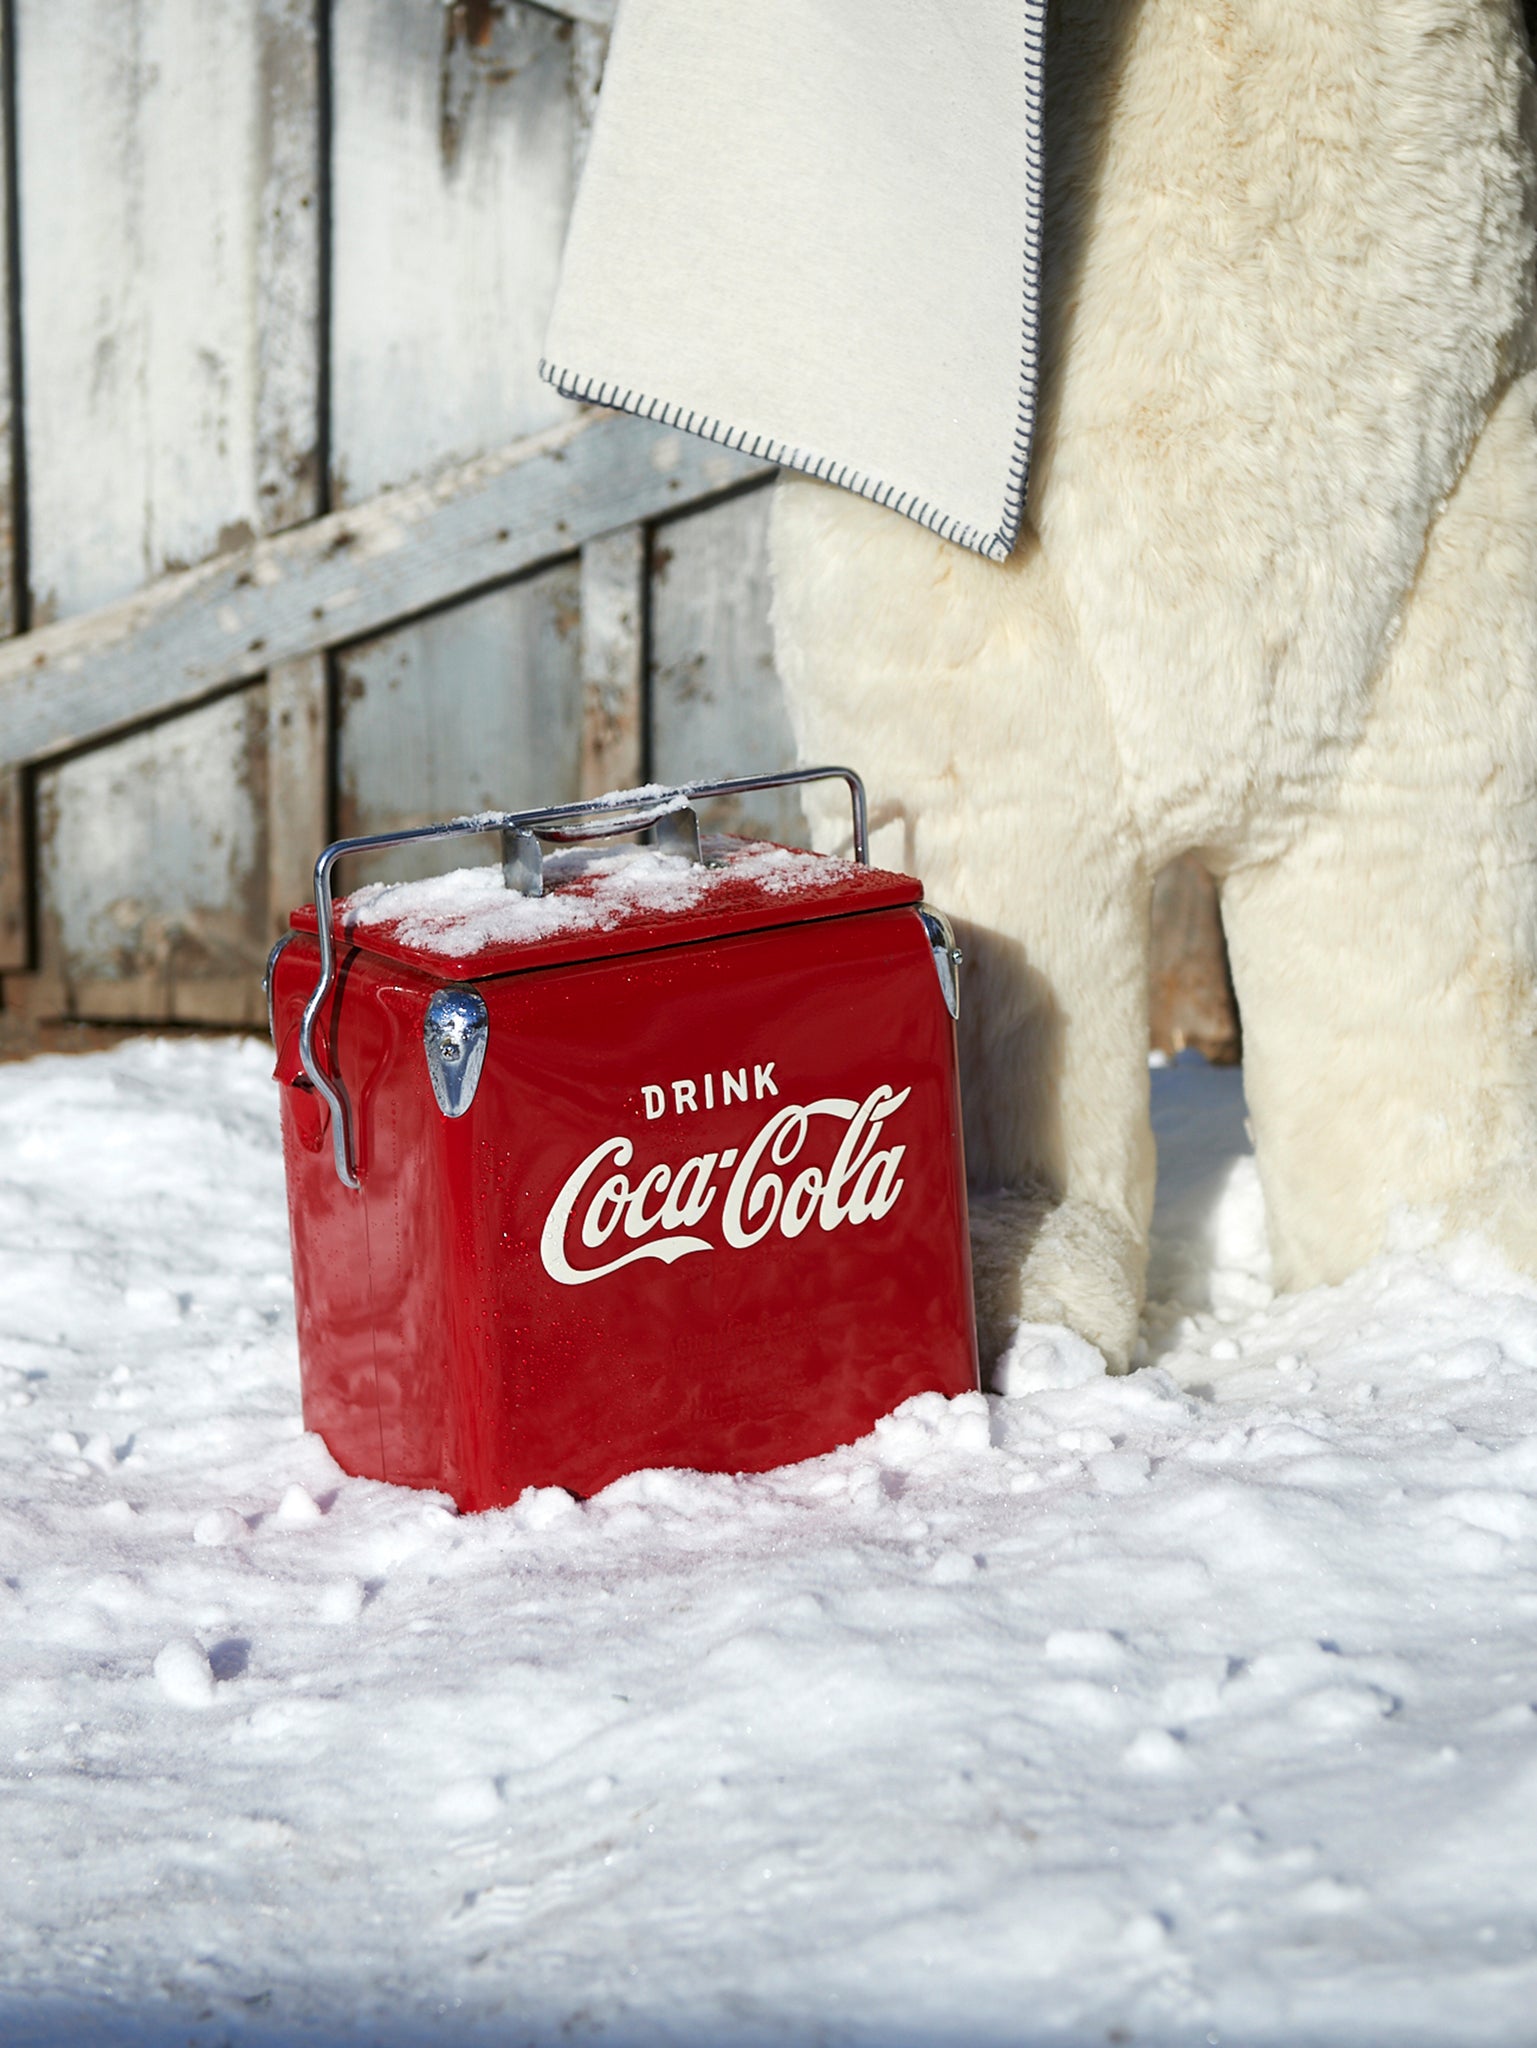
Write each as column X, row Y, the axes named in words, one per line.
column 1276, row 603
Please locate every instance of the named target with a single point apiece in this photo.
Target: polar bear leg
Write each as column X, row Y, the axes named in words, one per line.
column 957, row 688
column 1053, row 1052
column 1386, row 962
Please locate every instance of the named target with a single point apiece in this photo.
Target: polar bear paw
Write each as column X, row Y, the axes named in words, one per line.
column 1040, row 1261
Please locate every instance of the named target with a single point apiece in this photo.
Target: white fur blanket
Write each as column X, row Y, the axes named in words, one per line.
column 810, row 228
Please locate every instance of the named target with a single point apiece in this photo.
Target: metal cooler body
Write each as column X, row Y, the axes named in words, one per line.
column 701, row 1201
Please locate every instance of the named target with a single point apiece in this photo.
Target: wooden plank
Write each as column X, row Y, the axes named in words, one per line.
column 288, row 264
column 717, row 704
column 15, row 874
column 451, row 168
column 153, row 873
column 140, row 144
column 15, row 947
column 613, row 661
column 347, row 575
column 171, row 324
column 15, row 922
column 298, row 782
column 475, row 709
column 451, row 189
column 290, row 433
column 12, row 510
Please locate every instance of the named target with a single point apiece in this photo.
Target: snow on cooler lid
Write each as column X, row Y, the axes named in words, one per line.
column 626, row 899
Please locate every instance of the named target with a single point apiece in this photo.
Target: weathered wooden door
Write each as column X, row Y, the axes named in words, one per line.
column 293, row 541
column 297, row 542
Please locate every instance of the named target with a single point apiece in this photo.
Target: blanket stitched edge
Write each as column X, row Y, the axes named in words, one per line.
column 589, row 389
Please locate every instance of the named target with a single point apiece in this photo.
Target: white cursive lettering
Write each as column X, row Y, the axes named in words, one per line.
column 861, row 1184
column 552, row 1239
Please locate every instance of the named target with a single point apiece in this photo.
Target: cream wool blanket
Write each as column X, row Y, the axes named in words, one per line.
column 810, row 229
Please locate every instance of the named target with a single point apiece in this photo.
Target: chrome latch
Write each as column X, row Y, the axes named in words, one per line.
column 454, row 1037
column 947, row 955
column 522, row 863
column 677, row 832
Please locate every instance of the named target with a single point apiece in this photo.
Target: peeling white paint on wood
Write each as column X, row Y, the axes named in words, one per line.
column 452, row 187
column 14, row 934
column 9, row 621
column 154, row 873
column 151, row 354
column 613, row 661
column 717, row 704
column 298, row 782
column 287, row 283
column 347, row 575
column 476, row 709
column 170, row 241
column 13, row 894
column 172, row 332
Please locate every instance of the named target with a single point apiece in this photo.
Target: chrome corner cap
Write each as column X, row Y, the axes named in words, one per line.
column 947, row 955
column 454, row 1034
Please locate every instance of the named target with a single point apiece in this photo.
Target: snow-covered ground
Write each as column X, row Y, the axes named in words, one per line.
column 1190, row 1707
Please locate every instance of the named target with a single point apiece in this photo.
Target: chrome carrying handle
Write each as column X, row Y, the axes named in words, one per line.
column 667, row 811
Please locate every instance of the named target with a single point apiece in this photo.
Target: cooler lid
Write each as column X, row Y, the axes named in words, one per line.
column 586, row 899
column 598, row 902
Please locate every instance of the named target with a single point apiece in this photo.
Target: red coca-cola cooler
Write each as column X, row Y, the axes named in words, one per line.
column 619, row 1156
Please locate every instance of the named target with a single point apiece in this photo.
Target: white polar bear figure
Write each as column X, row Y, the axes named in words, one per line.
column 1275, row 601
